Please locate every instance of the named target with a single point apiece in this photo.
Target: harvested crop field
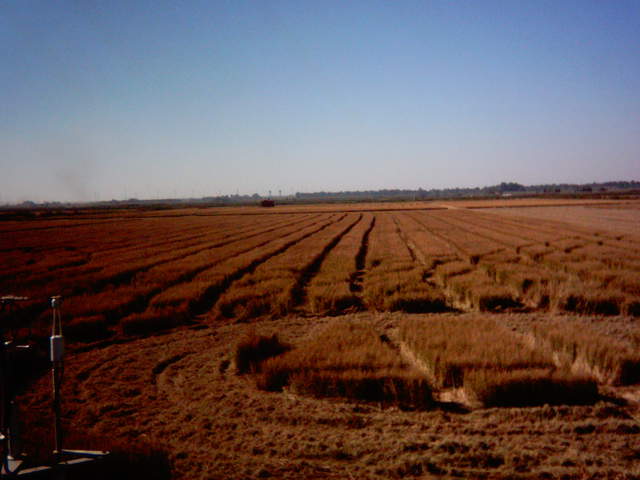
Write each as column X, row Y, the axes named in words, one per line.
column 344, row 342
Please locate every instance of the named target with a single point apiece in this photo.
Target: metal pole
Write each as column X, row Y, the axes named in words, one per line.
column 57, row 353
column 56, row 410
column 5, row 398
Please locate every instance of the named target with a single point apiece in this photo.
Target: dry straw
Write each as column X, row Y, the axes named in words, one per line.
column 493, row 365
column 581, row 347
column 348, row 359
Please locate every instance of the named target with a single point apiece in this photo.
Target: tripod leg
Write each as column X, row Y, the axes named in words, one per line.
column 15, row 431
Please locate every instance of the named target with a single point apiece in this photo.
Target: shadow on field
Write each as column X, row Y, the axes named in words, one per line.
column 128, row 458
column 127, row 462
column 124, row 462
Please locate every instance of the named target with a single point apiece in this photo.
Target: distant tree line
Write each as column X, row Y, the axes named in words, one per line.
column 504, row 188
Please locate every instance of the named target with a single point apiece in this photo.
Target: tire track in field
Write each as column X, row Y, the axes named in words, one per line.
column 299, row 291
column 355, row 279
column 161, row 366
column 415, row 255
column 211, row 295
column 418, row 257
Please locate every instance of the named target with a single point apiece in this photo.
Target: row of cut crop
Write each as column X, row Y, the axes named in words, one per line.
column 199, row 295
column 468, row 246
column 333, row 289
column 394, row 280
column 428, row 248
column 95, row 302
column 482, row 231
column 564, row 273
column 591, row 279
column 464, row 286
column 276, row 287
column 530, row 233
column 144, row 285
column 111, row 244
column 79, row 250
column 121, row 268
column 348, row 359
column 584, row 287
column 580, row 219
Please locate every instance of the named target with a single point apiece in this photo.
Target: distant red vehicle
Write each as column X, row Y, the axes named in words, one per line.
column 267, row 203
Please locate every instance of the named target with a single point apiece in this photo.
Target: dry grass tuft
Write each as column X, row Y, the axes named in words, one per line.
column 254, row 349
column 530, row 387
column 475, row 291
column 429, row 301
column 348, row 359
column 386, row 386
column 612, row 361
column 400, row 287
column 632, row 307
column 589, row 302
column 492, row 364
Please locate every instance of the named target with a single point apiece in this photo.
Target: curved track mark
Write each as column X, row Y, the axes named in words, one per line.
column 355, row 279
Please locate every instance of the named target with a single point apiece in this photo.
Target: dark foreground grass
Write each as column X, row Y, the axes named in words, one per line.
column 384, row 387
column 127, row 459
column 152, row 321
column 524, row 388
column 254, row 349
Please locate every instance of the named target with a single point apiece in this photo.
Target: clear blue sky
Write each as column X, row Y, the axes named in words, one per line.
column 102, row 99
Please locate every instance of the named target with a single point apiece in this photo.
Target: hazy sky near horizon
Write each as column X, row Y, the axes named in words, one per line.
column 107, row 99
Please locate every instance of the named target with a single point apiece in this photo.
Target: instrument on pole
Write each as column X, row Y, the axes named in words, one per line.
column 12, row 463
